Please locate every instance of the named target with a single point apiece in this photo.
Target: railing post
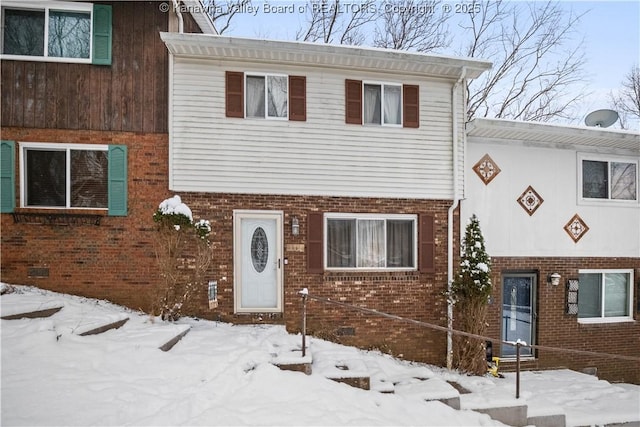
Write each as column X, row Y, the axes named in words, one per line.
column 304, row 325
column 518, row 345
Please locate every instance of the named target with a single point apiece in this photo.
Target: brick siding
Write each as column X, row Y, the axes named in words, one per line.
column 114, row 260
column 555, row 328
column 412, row 294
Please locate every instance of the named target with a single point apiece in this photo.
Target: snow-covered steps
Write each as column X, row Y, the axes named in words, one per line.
column 161, row 335
column 507, row 410
column 31, row 310
column 430, row 389
column 344, row 367
column 291, row 359
column 104, row 325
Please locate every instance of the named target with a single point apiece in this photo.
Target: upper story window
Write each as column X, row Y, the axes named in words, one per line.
column 605, row 295
column 268, row 96
column 382, row 104
column 386, row 104
column 371, row 242
column 70, row 176
column 608, row 179
column 56, row 31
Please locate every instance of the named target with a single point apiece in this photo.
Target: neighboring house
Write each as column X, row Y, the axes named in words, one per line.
column 331, row 168
column 85, row 143
column 559, row 200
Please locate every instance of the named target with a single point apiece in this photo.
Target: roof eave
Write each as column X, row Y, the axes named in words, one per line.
column 314, row 54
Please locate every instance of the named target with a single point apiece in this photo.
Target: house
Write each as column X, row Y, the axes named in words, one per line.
column 559, row 209
column 84, row 149
column 331, row 168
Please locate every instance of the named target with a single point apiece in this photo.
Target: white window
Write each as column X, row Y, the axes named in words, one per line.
column 64, row 175
column 51, row 30
column 382, row 104
column 608, row 179
column 266, row 96
column 370, row 241
column 605, row 295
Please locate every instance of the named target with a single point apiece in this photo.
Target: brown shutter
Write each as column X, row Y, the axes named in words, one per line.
column 234, row 94
column 298, row 98
column 411, row 106
column 427, row 250
column 315, row 226
column 353, row 101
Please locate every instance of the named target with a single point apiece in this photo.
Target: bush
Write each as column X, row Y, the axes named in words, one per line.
column 184, row 254
column 470, row 293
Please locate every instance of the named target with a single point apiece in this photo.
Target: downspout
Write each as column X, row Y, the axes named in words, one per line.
column 176, row 7
column 452, row 208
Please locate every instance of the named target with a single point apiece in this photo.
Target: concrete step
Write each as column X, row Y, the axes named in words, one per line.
column 507, row 410
column 344, row 367
column 430, row 389
column 99, row 327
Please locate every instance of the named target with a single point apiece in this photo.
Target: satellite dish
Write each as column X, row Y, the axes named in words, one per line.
column 601, row 118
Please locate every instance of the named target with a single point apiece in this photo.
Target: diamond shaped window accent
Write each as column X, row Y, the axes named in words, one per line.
column 486, row 169
column 530, row 200
column 576, row 228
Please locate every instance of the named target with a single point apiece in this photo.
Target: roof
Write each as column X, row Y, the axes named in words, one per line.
column 314, row 54
column 199, row 13
column 552, row 135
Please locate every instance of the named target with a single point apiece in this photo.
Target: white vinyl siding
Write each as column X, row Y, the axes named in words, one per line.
column 322, row 156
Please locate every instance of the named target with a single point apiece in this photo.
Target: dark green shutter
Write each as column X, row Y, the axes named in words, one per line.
column 7, row 177
column 101, row 34
column 117, row 180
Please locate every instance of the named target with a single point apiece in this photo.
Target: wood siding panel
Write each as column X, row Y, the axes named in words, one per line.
column 322, row 156
column 129, row 95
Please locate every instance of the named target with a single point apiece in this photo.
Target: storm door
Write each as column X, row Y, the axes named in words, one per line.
column 258, row 261
column 518, row 312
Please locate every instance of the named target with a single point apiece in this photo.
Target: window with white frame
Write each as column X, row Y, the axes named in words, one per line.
column 370, row 241
column 267, row 96
column 48, row 31
column 605, row 295
column 608, row 179
column 64, row 175
column 382, row 104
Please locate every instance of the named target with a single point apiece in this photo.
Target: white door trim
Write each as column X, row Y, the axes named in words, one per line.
column 238, row 216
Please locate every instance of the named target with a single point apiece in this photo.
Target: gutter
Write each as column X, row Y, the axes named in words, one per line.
column 452, row 208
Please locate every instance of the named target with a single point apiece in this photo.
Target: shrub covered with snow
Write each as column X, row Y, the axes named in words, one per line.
column 184, row 255
column 470, row 293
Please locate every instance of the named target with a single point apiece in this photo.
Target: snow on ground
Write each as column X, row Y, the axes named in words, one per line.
column 221, row 374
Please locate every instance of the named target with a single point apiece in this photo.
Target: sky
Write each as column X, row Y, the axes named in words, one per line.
column 224, row 374
column 610, row 31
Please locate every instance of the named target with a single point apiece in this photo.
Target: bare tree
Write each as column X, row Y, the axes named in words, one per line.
column 410, row 25
column 538, row 66
column 534, row 75
column 627, row 100
column 330, row 21
column 222, row 12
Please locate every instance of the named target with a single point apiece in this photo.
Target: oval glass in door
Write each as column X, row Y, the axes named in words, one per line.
column 259, row 277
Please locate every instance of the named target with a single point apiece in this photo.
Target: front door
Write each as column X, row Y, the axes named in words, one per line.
column 518, row 312
column 258, row 261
